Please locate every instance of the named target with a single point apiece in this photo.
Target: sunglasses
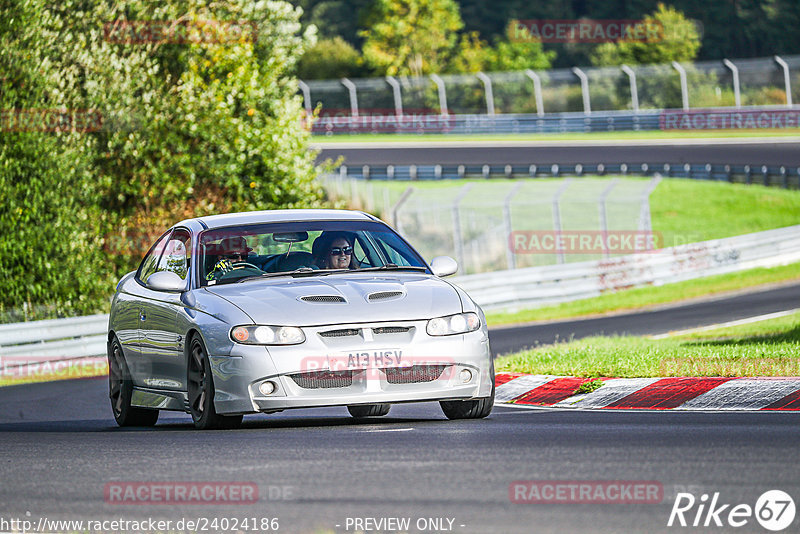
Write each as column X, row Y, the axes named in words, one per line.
column 336, row 251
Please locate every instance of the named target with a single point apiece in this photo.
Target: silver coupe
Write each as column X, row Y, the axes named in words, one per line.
column 263, row 311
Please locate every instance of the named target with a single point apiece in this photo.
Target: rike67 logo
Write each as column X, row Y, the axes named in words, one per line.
column 774, row 510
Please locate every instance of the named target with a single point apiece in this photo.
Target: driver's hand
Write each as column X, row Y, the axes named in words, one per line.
column 220, row 268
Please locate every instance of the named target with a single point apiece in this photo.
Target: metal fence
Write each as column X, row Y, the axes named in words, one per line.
column 411, row 104
column 536, row 286
column 477, row 223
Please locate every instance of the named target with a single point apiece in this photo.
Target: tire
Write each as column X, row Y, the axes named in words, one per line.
column 120, row 391
column 200, row 389
column 470, row 409
column 369, row 410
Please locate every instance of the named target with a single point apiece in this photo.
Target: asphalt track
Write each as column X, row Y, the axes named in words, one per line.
column 765, row 151
column 59, row 448
column 680, row 316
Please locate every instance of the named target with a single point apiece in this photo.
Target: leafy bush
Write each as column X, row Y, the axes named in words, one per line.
column 187, row 129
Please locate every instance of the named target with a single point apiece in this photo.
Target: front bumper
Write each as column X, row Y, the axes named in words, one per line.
column 327, row 371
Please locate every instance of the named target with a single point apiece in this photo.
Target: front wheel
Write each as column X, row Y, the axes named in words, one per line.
column 369, row 410
column 470, row 409
column 201, row 392
column 120, row 391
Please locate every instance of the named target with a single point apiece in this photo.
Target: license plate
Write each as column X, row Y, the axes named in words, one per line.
column 366, row 359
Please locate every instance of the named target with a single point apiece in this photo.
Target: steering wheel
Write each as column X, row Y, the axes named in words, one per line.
column 248, row 268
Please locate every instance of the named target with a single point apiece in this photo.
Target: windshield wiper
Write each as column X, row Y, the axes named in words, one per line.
column 395, row 267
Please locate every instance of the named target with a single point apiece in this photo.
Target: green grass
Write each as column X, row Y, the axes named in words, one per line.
column 682, row 211
column 687, row 211
column 641, row 297
column 769, row 348
column 596, row 136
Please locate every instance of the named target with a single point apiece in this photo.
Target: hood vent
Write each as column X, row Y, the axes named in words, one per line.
column 384, row 295
column 323, row 298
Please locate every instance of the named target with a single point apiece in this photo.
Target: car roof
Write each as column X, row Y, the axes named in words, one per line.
column 268, row 216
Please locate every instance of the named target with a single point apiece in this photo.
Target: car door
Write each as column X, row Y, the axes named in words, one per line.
column 161, row 344
column 133, row 306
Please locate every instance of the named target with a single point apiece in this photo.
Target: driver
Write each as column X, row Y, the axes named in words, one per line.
column 231, row 251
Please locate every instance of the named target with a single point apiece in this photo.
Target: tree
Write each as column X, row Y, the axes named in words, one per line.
column 411, row 37
column 677, row 39
column 329, row 59
column 185, row 129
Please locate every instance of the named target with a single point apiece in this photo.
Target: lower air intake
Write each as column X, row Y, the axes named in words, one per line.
column 323, row 379
column 414, row 374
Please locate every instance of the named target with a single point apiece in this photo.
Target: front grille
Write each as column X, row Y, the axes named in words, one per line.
column 380, row 295
column 323, row 379
column 391, row 330
column 323, row 298
column 341, row 333
column 414, row 374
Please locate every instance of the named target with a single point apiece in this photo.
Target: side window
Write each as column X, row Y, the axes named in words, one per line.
column 150, row 261
column 361, row 254
column 176, row 254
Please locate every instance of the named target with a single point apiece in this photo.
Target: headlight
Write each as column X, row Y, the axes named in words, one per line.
column 460, row 323
column 267, row 335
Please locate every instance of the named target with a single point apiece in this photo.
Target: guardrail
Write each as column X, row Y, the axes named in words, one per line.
column 699, row 119
column 536, row 286
column 770, row 175
column 80, row 337
column 55, row 339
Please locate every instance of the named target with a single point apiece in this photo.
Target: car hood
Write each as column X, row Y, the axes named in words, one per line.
column 401, row 297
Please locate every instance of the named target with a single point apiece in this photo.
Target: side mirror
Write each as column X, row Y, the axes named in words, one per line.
column 166, row 281
column 443, row 266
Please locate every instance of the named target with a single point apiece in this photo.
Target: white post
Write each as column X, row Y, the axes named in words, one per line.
column 306, row 95
column 684, row 86
column 457, row 225
column 587, row 105
column 737, row 97
column 487, row 88
column 351, row 87
column 537, row 91
column 442, row 93
column 634, row 90
column 601, row 205
column 398, row 98
column 557, row 215
column 510, row 256
column 786, row 80
column 396, row 209
column 644, row 211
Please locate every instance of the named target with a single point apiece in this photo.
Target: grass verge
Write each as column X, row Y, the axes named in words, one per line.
column 596, row 136
column 631, row 299
column 767, row 348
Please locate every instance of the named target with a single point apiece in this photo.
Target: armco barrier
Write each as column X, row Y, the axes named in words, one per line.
column 61, row 339
column 550, row 284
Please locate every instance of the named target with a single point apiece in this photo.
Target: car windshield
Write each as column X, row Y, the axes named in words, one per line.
column 308, row 248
